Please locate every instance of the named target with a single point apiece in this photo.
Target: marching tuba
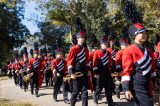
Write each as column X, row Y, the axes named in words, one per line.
column 27, row 77
column 47, row 67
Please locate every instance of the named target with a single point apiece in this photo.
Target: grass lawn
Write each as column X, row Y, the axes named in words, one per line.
column 6, row 102
column 3, row 77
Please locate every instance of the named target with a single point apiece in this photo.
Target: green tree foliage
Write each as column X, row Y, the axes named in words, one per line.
column 62, row 12
column 12, row 31
column 51, row 35
column 149, row 10
column 94, row 13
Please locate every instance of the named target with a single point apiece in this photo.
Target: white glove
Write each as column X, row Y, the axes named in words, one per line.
column 58, row 75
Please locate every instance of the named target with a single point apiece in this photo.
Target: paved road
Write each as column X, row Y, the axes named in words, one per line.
column 10, row 91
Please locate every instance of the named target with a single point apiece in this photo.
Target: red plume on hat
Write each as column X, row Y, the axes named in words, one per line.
column 48, row 50
column 124, row 36
column 93, row 40
column 31, row 52
column 79, row 28
column 157, row 39
column 133, row 16
column 105, row 29
column 36, row 49
column 25, row 53
column 16, row 55
column 104, row 39
column 59, row 51
column 112, row 37
column 58, row 46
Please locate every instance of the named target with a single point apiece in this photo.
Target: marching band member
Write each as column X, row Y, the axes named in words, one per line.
column 138, row 62
column 9, row 68
column 77, row 60
column 94, row 43
column 15, row 69
column 101, row 67
column 138, row 67
column 118, row 62
column 24, row 64
column 47, row 68
column 59, row 67
column 35, row 67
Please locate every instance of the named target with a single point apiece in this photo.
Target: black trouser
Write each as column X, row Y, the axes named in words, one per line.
column 79, row 85
column 15, row 78
column 58, row 83
column 117, row 81
column 25, row 84
column 46, row 75
column 20, row 80
column 66, row 89
column 34, row 82
column 94, row 83
column 51, row 77
column 142, row 99
column 10, row 74
column 104, row 82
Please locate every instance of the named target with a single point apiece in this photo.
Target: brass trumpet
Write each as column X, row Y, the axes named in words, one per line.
column 77, row 74
column 47, row 68
column 116, row 74
column 27, row 77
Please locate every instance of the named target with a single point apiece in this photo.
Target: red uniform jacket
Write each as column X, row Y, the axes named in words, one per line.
column 17, row 66
column 156, row 55
column 24, row 66
column 112, row 52
column 40, row 67
column 13, row 66
column 118, row 59
column 138, row 67
column 47, row 61
column 82, row 55
column 9, row 67
column 91, row 54
column 60, row 66
column 105, row 58
column 158, row 47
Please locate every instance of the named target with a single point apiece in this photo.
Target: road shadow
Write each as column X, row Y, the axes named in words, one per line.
column 125, row 103
column 44, row 88
column 120, row 103
column 44, row 94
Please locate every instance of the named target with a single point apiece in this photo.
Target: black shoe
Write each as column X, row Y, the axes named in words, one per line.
column 67, row 101
column 55, row 99
column 100, row 97
column 113, row 104
column 60, row 92
column 80, row 96
column 25, row 90
column 118, row 94
column 96, row 102
column 113, row 92
column 37, row 95
column 32, row 93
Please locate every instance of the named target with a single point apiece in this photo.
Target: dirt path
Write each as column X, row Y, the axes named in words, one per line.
column 10, row 91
